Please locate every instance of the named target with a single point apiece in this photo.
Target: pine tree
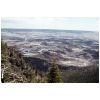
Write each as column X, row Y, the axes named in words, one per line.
column 54, row 74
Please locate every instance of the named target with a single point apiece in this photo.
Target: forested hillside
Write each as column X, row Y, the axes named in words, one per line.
column 15, row 69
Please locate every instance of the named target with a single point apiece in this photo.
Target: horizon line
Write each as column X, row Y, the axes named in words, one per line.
column 52, row 29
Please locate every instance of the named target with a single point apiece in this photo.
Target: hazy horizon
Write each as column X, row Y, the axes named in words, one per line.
column 50, row 29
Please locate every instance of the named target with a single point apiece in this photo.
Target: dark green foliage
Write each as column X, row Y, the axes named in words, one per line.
column 14, row 68
column 4, row 52
column 4, row 48
column 90, row 74
column 54, row 74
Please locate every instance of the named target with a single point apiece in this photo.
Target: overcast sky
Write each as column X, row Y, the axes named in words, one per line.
column 74, row 23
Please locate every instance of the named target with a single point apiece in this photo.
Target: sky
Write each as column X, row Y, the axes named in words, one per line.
column 66, row 23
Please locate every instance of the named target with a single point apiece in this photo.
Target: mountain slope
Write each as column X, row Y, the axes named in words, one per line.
column 14, row 69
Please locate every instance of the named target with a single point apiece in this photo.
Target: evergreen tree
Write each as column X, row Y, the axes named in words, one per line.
column 54, row 74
